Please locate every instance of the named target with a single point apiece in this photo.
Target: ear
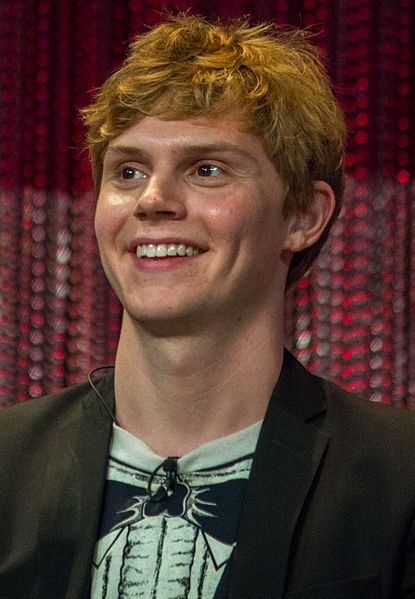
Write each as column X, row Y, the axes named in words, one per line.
column 306, row 227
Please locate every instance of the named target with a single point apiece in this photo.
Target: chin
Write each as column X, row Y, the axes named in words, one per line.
column 164, row 320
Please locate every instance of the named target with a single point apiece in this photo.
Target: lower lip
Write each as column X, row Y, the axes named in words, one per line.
column 162, row 264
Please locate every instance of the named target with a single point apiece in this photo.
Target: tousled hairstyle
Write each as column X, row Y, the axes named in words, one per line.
column 274, row 78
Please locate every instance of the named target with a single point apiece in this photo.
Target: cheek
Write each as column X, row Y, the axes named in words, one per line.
column 101, row 224
column 230, row 217
column 253, row 213
column 109, row 218
column 106, row 232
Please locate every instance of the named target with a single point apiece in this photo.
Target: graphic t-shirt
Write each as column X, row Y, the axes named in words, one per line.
column 176, row 544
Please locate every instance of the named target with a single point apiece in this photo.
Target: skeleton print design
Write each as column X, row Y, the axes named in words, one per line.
column 174, row 548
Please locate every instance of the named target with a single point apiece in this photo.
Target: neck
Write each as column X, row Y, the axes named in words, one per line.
column 177, row 392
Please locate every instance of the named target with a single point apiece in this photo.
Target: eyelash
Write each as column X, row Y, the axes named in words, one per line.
column 124, row 168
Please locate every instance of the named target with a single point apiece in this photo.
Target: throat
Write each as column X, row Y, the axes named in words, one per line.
column 175, row 393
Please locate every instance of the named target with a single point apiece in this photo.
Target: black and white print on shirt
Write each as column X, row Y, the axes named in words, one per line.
column 177, row 548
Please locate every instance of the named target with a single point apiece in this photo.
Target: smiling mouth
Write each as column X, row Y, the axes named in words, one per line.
column 165, row 250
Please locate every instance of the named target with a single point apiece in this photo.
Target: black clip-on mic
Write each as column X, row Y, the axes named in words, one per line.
column 170, row 468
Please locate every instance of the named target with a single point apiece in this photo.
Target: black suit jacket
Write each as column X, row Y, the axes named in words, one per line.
column 334, row 520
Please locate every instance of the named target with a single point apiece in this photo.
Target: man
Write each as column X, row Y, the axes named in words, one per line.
column 210, row 464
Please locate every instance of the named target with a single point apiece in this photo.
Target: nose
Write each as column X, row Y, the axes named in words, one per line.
column 160, row 200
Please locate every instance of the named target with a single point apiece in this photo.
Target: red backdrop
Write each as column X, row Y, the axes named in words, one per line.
column 351, row 320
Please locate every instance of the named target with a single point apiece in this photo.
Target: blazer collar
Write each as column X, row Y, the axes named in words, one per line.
column 290, row 448
column 74, row 482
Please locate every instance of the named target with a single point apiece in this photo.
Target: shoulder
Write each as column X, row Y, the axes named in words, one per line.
column 25, row 422
column 33, row 409
column 369, row 428
column 349, row 407
column 357, row 428
column 309, row 396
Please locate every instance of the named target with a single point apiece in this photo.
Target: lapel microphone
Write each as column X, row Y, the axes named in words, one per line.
column 170, row 468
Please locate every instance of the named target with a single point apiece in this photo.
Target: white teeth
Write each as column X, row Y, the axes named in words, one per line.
column 162, row 250
column 151, row 251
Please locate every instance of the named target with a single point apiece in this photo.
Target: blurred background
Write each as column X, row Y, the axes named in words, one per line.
column 352, row 319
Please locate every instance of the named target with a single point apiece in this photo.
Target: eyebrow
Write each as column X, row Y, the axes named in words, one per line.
column 191, row 149
column 127, row 151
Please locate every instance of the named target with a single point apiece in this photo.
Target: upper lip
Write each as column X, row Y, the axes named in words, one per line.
column 166, row 241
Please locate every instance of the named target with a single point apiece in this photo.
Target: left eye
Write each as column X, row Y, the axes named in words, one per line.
column 208, row 170
column 128, row 172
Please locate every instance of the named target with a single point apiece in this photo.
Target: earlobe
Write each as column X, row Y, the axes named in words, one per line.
column 306, row 227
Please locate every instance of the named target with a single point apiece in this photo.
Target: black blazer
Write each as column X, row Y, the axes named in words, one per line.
column 333, row 520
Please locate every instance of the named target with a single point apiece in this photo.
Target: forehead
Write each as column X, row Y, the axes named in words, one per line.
column 220, row 132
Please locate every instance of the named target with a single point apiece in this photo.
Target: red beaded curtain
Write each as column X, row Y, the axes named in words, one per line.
column 351, row 320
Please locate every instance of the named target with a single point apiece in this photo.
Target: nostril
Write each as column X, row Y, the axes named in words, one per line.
column 149, row 215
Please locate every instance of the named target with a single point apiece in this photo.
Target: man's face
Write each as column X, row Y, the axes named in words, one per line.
column 203, row 188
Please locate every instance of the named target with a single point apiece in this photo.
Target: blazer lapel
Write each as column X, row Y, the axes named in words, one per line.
column 290, row 448
column 74, row 484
